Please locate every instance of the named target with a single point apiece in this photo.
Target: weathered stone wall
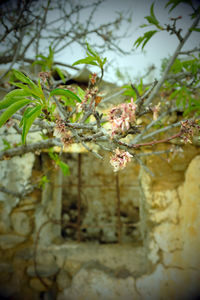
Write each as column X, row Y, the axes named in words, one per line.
column 170, row 222
column 163, row 264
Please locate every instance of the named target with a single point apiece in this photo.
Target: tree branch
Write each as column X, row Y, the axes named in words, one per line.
column 171, row 61
column 30, row 148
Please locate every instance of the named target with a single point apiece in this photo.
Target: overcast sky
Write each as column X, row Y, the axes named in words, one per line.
column 160, row 46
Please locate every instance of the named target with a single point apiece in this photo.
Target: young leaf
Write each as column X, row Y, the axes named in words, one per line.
column 153, row 17
column 24, row 115
column 43, row 181
column 64, row 167
column 19, row 75
column 69, row 102
column 36, row 94
column 51, row 54
column 90, row 50
column 12, row 109
column 174, row 3
column 195, row 29
column 151, row 20
column 81, row 92
column 90, row 60
column 13, row 96
column 65, row 92
column 145, row 38
column 29, row 118
column 35, row 89
column 104, row 60
column 60, row 73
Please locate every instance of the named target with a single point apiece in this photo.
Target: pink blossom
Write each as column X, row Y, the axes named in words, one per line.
column 59, row 129
column 61, row 132
column 120, row 159
column 122, row 117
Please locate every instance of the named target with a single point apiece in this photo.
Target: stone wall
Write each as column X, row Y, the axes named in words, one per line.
column 158, row 260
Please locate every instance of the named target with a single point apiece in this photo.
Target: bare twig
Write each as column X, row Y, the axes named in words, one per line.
column 171, row 61
column 136, row 146
column 196, row 49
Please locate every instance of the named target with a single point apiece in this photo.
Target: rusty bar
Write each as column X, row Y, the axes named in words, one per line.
column 119, row 225
column 70, row 224
column 79, row 200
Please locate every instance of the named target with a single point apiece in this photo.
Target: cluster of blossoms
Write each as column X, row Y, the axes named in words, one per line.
column 120, row 159
column 61, row 132
column 122, row 117
column 188, row 129
column 90, row 94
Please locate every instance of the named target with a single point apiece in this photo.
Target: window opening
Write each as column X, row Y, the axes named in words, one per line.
column 76, row 207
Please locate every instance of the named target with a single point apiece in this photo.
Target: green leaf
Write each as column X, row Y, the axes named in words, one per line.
column 51, row 54
column 60, row 73
column 148, row 35
column 144, row 25
column 24, row 115
column 81, row 93
column 65, row 92
column 104, row 60
column 153, row 17
column 41, row 56
column 145, row 38
column 90, row 50
column 195, row 29
column 53, row 155
column 151, row 20
column 21, row 85
column 69, row 102
column 12, row 109
column 38, row 62
column 64, row 167
column 36, row 94
column 19, row 75
column 29, row 118
column 35, row 89
column 14, row 96
column 90, row 60
column 43, row 181
column 174, row 3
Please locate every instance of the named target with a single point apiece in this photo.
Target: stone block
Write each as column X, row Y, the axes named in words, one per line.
column 63, row 280
column 167, row 236
column 8, row 241
column 97, row 285
column 42, row 270
column 21, row 223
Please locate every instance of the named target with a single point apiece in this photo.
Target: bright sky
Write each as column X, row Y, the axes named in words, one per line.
column 160, row 46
